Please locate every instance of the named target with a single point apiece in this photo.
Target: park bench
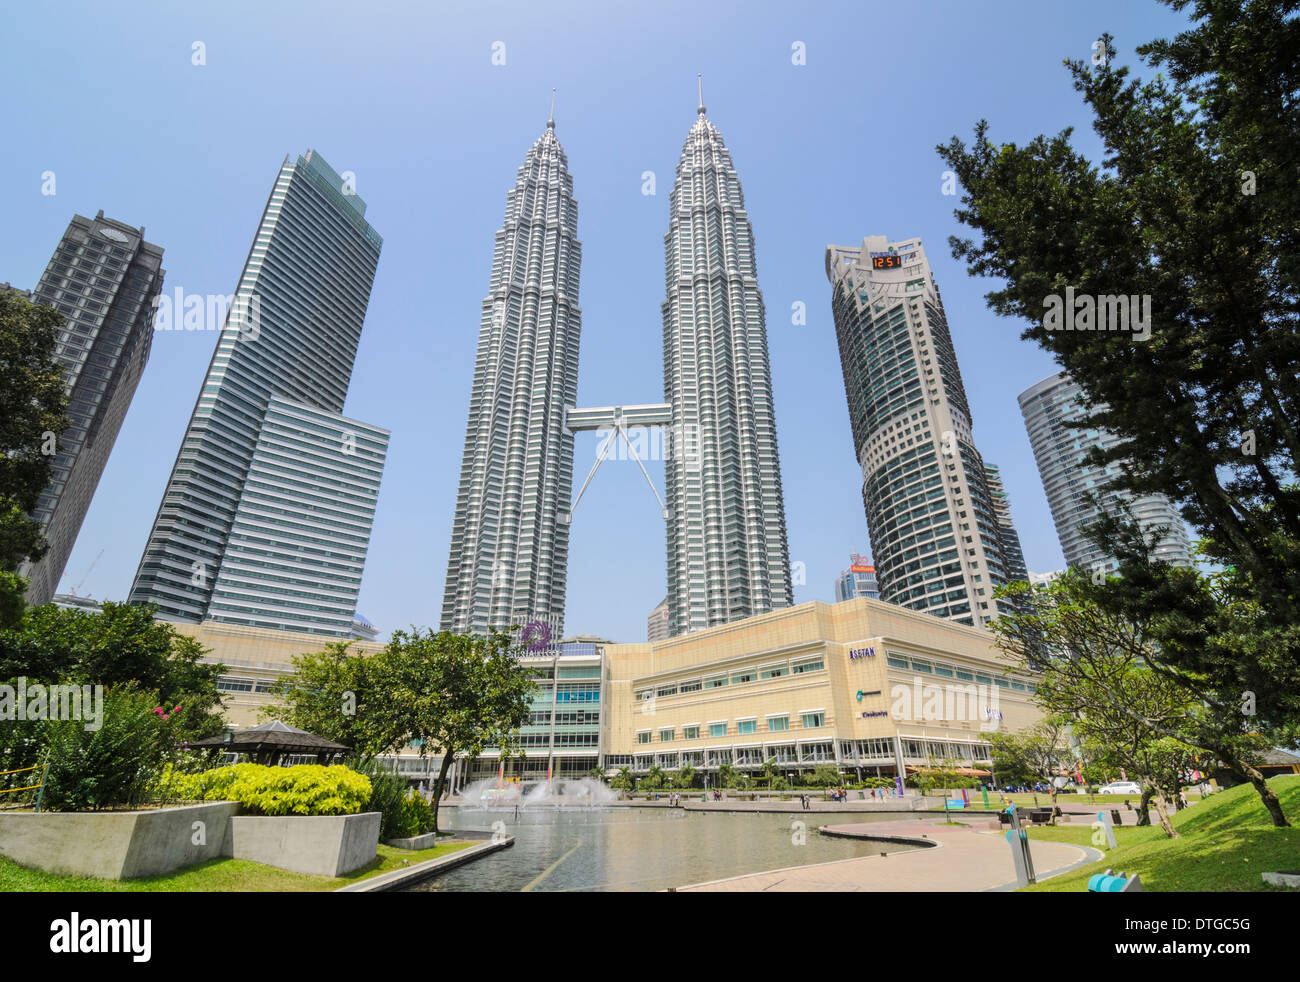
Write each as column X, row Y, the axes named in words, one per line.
column 1036, row 816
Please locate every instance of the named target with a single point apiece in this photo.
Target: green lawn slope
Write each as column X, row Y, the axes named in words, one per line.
column 1227, row 842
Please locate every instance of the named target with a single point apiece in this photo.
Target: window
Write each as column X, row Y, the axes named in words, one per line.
column 643, row 736
column 717, row 683
column 813, row 720
column 895, row 662
column 746, row 676
column 799, row 668
column 747, row 726
column 718, row 729
column 943, row 670
column 776, row 724
column 983, row 679
column 666, row 690
column 689, row 686
column 665, row 735
column 922, row 666
column 773, row 672
column 965, row 676
column 691, row 732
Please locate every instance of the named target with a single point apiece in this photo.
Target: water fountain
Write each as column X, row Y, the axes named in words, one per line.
column 491, row 794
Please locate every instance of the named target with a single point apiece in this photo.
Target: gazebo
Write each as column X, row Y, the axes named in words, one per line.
column 269, row 742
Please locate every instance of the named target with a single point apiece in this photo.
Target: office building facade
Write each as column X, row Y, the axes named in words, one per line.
column 934, row 533
column 1060, row 449
column 728, row 556
column 510, row 537
column 103, row 278
column 1015, row 555
column 298, row 542
column 859, row 580
column 286, row 346
column 867, row 687
column 656, row 625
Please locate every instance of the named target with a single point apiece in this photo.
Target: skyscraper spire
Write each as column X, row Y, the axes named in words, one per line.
column 550, row 123
column 509, row 539
column 728, row 556
column 700, row 79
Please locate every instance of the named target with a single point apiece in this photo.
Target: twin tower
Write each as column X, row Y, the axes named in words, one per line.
column 728, row 557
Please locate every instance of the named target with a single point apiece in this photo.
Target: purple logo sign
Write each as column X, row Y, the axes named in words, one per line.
column 536, row 636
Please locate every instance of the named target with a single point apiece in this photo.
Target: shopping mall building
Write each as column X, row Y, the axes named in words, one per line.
column 866, row 686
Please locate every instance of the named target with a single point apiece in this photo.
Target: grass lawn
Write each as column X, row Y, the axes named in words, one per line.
column 1227, row 842
column 219, row 876
column 1066, row 802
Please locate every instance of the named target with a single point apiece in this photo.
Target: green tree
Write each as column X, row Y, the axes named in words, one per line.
column 336, row 694
column 452, row 693
column 120, row 645
column 654, row 778
column 1104, row 671
column 623, row 780
column 1196, row 205
column 32, row 418
column 728, row 776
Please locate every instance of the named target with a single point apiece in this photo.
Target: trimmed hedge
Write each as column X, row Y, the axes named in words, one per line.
column 305, row 789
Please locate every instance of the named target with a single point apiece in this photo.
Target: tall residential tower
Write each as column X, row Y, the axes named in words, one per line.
column 102, row 278
column 510, row 537
column 727, row 552
column 266, row 517
column 932, row 520
column 1059, row 448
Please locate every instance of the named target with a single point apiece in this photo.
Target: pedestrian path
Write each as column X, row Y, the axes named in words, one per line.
column 960, row 860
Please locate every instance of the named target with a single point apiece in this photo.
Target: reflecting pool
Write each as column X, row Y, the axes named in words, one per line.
column 645, row 848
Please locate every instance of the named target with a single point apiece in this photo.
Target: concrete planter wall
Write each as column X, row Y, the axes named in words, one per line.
column 326, row 845
column 116, row 845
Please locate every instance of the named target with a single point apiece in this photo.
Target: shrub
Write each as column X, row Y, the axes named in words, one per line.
column 305, row 789
column 117, row 764
column 391, row 796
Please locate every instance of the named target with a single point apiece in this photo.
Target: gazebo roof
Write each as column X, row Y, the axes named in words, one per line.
column 274, row 735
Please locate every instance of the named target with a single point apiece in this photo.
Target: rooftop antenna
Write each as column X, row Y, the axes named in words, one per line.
column 550, row 123
column 700, row 78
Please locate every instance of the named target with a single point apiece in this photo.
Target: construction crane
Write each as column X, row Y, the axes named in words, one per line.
column 87, row 573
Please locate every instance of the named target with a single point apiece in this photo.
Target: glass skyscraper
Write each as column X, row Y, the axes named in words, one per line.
column 102, row 278
column 932, row 521
column 1059, row 449
column 267, row 461
column 728, row 557
column 510, row 537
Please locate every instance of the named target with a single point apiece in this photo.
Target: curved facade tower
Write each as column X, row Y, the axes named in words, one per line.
column 509, row 541
column 932, row 519
column 727, row 552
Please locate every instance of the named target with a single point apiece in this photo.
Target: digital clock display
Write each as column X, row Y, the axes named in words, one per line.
column 887, row 261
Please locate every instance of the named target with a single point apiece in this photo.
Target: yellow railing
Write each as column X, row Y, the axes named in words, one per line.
column 43, row 768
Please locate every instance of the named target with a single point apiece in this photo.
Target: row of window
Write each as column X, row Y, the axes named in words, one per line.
column 739, row 677
column 948, row 671
column 744, row 727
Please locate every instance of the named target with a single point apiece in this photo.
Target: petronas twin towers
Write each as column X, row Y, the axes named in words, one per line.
column 726, row 535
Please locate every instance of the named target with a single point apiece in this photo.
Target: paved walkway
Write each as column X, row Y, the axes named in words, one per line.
column 964, row 860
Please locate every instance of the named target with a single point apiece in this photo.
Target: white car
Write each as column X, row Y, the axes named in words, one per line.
column 1121, row 787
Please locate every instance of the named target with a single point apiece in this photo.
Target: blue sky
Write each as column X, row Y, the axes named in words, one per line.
column 407, row 97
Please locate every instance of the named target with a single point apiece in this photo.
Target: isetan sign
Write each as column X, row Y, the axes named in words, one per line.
column 856, row 653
